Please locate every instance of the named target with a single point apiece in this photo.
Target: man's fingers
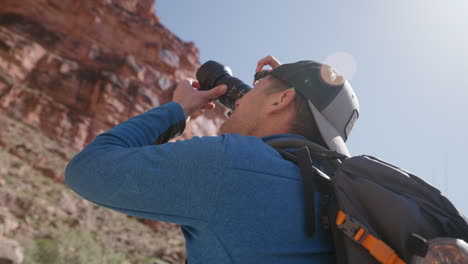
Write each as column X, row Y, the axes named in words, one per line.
column 260, row 65
column 215, row 92
column 268, row 60
column 209, row 106
column 186, row 82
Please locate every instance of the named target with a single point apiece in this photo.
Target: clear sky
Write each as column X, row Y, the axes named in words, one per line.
column 407, row 61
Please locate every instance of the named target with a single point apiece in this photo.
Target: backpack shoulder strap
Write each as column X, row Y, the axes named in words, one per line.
column 316, row 151
column 313, row 147
column 305, row 151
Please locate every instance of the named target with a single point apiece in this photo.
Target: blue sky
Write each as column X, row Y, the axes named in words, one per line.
column 406, row 60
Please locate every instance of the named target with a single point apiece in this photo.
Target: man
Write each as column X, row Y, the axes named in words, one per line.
column 237, row 200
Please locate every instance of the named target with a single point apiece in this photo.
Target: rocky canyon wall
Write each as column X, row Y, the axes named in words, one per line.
column 74, row 69
column 69, row 70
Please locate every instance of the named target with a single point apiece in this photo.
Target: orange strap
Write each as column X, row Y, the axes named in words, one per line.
column 377, row 248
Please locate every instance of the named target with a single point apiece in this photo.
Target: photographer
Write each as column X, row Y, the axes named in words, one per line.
column 237, row 200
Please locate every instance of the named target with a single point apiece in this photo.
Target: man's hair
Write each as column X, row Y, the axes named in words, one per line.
column 304, row 124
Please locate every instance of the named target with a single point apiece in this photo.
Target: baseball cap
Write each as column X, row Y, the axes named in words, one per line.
column 331, row 99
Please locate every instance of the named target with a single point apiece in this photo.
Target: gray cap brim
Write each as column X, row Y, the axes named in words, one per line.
column 329, row 134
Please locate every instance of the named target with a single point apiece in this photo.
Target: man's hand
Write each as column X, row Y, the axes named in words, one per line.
column 268, row 60
column 189, row 97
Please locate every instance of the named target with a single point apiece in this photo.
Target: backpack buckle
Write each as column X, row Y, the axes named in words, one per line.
column 351, row 227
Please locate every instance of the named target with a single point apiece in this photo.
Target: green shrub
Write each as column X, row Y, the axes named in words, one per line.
column 43, row 251
column 70, row 246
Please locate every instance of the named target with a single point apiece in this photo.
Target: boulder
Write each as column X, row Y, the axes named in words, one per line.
column 10, row 251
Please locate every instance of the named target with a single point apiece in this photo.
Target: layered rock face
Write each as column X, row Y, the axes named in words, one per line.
column 76, row 68
column 70, row 70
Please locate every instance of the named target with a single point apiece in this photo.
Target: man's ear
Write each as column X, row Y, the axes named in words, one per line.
column 282, row 100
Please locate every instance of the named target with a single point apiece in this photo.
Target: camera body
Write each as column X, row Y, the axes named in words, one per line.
column 212, row 74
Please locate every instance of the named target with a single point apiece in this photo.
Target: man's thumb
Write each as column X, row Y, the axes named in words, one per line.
column 216, row 92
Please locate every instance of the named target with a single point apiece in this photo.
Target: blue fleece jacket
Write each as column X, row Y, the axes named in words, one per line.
column 237, row 200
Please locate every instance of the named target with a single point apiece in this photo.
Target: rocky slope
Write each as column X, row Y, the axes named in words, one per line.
column 70, row 70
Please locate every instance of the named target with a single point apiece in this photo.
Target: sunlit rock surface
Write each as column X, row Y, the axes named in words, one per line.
column 70, row 70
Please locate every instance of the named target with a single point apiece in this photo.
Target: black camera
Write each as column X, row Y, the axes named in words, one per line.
column 212, row 74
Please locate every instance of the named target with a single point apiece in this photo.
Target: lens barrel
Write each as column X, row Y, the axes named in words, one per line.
column 212, row 74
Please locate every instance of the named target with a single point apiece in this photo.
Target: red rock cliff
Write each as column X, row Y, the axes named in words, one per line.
column 74, row 69
column 69, row 70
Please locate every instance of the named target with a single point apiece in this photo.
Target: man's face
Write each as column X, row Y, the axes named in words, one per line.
column 249, row 114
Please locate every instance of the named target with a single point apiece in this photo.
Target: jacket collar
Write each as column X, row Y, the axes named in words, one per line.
column 282, row 136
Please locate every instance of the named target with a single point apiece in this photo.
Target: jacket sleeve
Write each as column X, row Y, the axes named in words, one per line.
column 173, row 182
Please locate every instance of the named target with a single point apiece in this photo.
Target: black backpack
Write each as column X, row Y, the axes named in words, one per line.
column 377, row 212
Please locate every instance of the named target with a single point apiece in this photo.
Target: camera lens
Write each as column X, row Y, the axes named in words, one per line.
column 212, row 74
